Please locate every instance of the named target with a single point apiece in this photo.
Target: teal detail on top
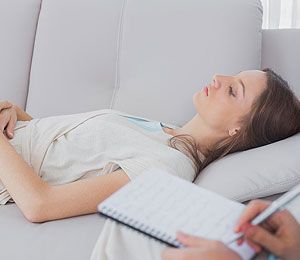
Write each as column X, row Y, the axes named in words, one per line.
column 152, row 126
column 272, row 257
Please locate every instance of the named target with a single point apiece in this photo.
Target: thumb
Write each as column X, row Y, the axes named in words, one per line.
column 263, row 238
column 191, row 241
column 10, row 127
column 172, row 254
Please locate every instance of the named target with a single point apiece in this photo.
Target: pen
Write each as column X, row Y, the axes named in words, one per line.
column 276, row 205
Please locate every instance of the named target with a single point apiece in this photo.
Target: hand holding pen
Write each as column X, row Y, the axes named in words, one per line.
column 263, row 224
column 280, row 233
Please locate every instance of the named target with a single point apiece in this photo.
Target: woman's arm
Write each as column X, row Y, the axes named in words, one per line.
column 80, row 197
column 41, row 202
column 26, row 188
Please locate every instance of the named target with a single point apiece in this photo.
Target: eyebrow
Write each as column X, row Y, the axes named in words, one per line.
column 243, row 85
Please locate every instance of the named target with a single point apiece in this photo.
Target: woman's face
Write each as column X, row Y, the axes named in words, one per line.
column 222, row 103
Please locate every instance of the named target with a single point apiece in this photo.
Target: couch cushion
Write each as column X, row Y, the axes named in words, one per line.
column 255, row 173
column 18, row 21
column 72, row 238
column 73, row 66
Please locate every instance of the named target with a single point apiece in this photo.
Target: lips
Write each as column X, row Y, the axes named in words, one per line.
column 206, row 91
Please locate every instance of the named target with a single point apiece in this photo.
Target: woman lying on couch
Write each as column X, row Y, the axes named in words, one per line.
column 64, row 166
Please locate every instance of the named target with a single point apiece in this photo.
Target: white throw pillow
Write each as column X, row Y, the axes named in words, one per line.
column 255, row 173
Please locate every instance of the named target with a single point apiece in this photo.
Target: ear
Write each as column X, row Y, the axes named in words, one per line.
column 233, row 131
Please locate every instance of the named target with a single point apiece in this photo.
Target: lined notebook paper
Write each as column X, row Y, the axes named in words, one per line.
column 158, row 204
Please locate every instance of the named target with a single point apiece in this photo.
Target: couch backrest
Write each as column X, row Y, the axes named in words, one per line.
column 74, row 60
column 18, row 21
column 143, row 57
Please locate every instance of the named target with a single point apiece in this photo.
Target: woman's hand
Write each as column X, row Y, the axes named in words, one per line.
column 8, row 118
column 280, row 234
column 198, row 248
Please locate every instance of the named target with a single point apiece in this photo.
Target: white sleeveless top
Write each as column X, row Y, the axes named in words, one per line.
column 62, row 149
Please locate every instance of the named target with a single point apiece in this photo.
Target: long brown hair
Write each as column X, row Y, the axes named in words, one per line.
column 274, row 115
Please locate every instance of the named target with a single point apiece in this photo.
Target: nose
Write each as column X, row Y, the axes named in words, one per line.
column 216, row 81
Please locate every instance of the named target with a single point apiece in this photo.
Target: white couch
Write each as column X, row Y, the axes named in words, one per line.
column 142, row 57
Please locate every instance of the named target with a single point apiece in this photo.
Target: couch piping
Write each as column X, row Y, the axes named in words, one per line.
column 119, row 42
column 30, row 65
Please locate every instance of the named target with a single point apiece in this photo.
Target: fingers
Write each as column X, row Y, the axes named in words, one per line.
column 4, row 118
column 192, row 241
column 268, row 226
column 5, row 104
column 262, row 237
column 255, row 247
column 281, row 218
column 173, row 254
column 7, row 118
column 243, row 227
column 11, row 126
column 250, row 212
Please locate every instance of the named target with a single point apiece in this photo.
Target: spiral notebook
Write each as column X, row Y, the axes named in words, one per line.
column 158, row 204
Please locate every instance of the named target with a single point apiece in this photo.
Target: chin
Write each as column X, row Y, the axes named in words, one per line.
column 198, row 101
column 197, row 98
column 194, row 98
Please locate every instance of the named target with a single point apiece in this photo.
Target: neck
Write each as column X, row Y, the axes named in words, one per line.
column 204, row 136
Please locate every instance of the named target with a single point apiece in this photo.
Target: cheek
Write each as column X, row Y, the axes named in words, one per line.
column 217, row 112
column 210, row 112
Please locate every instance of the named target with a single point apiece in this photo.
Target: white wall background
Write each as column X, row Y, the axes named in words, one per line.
column 281, row 14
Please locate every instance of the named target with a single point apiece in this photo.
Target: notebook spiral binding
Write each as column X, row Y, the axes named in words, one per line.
column 140, row 226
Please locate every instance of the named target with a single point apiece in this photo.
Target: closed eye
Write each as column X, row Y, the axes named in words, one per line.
column 231, row 92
